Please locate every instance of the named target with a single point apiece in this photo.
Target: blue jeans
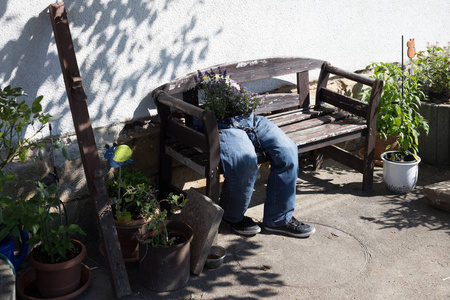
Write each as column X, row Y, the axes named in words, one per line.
column 240, row 139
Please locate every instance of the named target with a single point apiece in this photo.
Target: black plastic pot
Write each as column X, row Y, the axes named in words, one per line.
column 166, row 269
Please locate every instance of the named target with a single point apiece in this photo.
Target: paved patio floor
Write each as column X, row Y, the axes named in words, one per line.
column 368, row 245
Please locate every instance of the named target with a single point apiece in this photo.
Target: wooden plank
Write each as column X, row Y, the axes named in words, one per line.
column 180, row 105
column 212, row 171
column 248, row 71
column 301, row 115
column 351, row 105
column 186, row 135
column 344, row 157
column 327, row 131
column 428, row 144
column 314, row 122
column 186, row 160
column 349, row 75
column 278, row 102
column 88, row 149
column 443, row 119
column 317, row 144
column 303, row 89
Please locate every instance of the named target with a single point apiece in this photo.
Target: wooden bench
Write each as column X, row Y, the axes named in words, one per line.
column 334, row 118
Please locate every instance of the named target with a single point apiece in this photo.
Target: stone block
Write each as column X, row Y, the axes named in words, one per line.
column 7, row 279
column 204, row 216
column 438, row 195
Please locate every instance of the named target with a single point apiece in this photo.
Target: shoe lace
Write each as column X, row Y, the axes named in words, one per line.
column 296, row 224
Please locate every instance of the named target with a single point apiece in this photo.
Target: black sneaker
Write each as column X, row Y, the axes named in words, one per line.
column 293, row 228
column 245, row 227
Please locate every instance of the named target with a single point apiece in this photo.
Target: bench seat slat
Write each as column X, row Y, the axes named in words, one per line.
column 297, row 116
column 327, row 131
column 314, row 122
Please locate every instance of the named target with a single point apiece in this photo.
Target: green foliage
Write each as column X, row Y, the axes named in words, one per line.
column 433, row 67
column 398, row 110
column 161, row 236
column 16, row 115
column 137, row 199
column 43, row 218
column 35, row 214
column 11, row 212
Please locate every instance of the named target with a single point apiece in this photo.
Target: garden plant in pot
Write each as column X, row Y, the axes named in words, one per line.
column 135, row 204
column 399, row 116
column 164, row 249
column 433, row 70
column 56, row 258
column 16, row 115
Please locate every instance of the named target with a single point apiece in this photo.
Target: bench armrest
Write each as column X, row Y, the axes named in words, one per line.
column 178, row 104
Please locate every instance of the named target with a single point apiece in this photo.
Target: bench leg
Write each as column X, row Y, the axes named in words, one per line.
column 317, row 160
column 213, row 186
column 368, row 167
column 165, row 176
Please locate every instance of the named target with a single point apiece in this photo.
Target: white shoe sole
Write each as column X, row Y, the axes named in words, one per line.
column 300, row 235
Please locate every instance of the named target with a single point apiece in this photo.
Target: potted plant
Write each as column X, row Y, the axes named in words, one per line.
column 56, row 258
column 16, row 116
column 224, row 96
column 433, row 70
column 164, row 262
column 398, row 116
column 135, row 204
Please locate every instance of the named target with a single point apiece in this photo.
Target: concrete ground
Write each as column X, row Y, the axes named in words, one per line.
column 367, row 245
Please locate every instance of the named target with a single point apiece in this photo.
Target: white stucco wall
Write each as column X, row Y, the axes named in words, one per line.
column 125, row 48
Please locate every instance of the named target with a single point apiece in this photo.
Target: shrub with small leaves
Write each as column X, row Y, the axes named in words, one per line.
column 45, row 220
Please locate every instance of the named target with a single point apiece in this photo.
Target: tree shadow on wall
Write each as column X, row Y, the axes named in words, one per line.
column 121, row 33
column 25, row 61
column 118, row 33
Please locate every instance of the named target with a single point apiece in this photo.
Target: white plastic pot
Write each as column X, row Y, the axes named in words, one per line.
column 400, row 177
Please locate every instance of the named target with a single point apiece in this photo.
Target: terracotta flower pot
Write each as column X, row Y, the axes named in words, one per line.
column 126, row 231
column 380, row 147
column 54, row 280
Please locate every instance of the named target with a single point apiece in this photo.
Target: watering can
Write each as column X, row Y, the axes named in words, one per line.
column 7, row 249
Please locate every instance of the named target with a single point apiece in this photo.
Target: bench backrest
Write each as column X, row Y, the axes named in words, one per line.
column 250, row 71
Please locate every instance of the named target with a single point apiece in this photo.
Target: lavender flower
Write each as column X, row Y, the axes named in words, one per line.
column 224, row 96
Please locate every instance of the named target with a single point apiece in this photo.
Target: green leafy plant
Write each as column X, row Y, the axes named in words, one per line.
column 137, row 195
column 160, row 236
column 433, row 69
column 12, row 213
column 44, row 217
column 398, row 110
column 16, row 115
